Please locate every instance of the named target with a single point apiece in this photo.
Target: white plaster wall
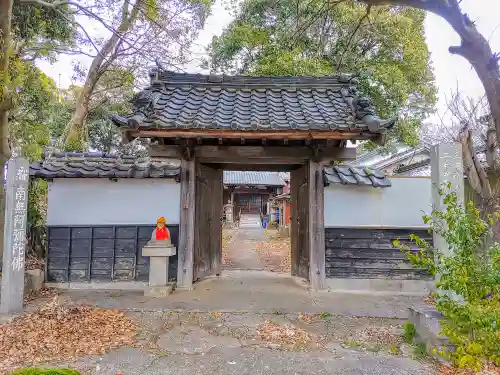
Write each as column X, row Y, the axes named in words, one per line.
column 99, row 201
column 400, row 206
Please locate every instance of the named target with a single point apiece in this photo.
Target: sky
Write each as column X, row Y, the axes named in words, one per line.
column 451, row 72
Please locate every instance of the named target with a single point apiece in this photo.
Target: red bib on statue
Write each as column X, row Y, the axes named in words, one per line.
column 162, row 234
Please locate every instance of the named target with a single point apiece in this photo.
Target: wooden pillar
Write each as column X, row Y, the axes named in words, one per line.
column 186, row 225
column 295, row 180
column 316, row 226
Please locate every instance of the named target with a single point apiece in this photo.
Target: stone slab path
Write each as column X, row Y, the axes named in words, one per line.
column 232, row 344
column 252, row 291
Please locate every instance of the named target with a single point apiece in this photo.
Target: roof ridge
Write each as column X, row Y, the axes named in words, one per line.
column 158, row 76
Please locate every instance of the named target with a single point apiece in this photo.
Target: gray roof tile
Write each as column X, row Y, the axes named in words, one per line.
column 194, row 101
column 253, row 178
column 99, row 165
column 347, row 175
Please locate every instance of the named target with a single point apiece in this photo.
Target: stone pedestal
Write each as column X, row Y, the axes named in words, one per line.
column 158, row 253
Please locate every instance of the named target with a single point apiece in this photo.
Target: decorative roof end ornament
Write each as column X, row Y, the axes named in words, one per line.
column 143, row 104
column 362, row 109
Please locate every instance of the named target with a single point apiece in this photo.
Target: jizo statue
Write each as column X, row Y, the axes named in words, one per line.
column 161, row 232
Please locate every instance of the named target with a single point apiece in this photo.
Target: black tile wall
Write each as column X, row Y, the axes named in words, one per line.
column 102, row 253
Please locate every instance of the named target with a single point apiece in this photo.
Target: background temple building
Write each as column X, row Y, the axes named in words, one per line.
column 249, row 191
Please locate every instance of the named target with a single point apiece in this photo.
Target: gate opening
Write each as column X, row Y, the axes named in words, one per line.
column 256, row 220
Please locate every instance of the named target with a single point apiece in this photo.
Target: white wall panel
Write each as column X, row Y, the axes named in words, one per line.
column 99, row 201
column 400, row 206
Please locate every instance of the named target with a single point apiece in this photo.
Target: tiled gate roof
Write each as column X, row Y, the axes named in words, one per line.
column 194, row 101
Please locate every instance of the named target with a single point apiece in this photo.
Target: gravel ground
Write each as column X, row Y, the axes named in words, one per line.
column 224, row 343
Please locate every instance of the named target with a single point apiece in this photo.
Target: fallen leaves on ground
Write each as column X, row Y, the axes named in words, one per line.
column 227, row 235
column 487, row 370
column 275, row 254
column 430, row 299
column 285, row 335
column 42, row 293
column 34, row 263
column 308, row 318
column 58, row 332
column 379, row 335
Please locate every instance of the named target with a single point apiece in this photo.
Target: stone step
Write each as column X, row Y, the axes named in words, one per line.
column 427, row 322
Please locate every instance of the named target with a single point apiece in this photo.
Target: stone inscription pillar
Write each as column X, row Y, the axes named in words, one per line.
column 14, row 245
column 447, row 167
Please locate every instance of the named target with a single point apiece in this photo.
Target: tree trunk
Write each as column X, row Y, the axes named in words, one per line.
column 474, row 47
column 5, row 102
column 74, row 137
column 75, row 134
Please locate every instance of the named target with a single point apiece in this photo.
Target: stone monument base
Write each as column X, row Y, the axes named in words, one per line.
column 159, row 291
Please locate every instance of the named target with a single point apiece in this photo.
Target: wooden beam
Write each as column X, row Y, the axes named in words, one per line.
column 255, row 154
column 295, row 177
column 316, row 226
column 238, row 134
column 258, row 167
column 165, row 151
column 186, row 226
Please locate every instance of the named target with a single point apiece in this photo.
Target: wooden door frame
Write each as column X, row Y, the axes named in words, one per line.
column 311, row 171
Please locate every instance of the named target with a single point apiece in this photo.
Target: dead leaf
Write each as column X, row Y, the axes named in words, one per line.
column 488, row 369
column 275, row 254
column 286, row 335
column 56, row 332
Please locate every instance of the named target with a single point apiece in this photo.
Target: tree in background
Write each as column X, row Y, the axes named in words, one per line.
column 32, row 122
column 469, row 122
column 386, row 48
column 103, row 135
column 138, row 33
column 27, row 33
column 474, row 47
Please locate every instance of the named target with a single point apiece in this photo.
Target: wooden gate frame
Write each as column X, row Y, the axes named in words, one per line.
column 308, row 169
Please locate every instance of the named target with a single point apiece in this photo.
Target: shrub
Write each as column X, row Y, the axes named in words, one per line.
column 468, row 280
column 49, row 371
column 409, row 332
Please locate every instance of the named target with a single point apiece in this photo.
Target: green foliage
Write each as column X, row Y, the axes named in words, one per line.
column 306, row 37
column 419, row 350
column 50, row 371
column 468, row 280
column 31, row 125
column 409, row 332
column 40, row 31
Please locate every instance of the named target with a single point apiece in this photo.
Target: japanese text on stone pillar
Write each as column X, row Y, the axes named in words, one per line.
column 19, row 220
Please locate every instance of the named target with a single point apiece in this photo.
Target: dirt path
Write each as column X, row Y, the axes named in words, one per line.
column 241, row 252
